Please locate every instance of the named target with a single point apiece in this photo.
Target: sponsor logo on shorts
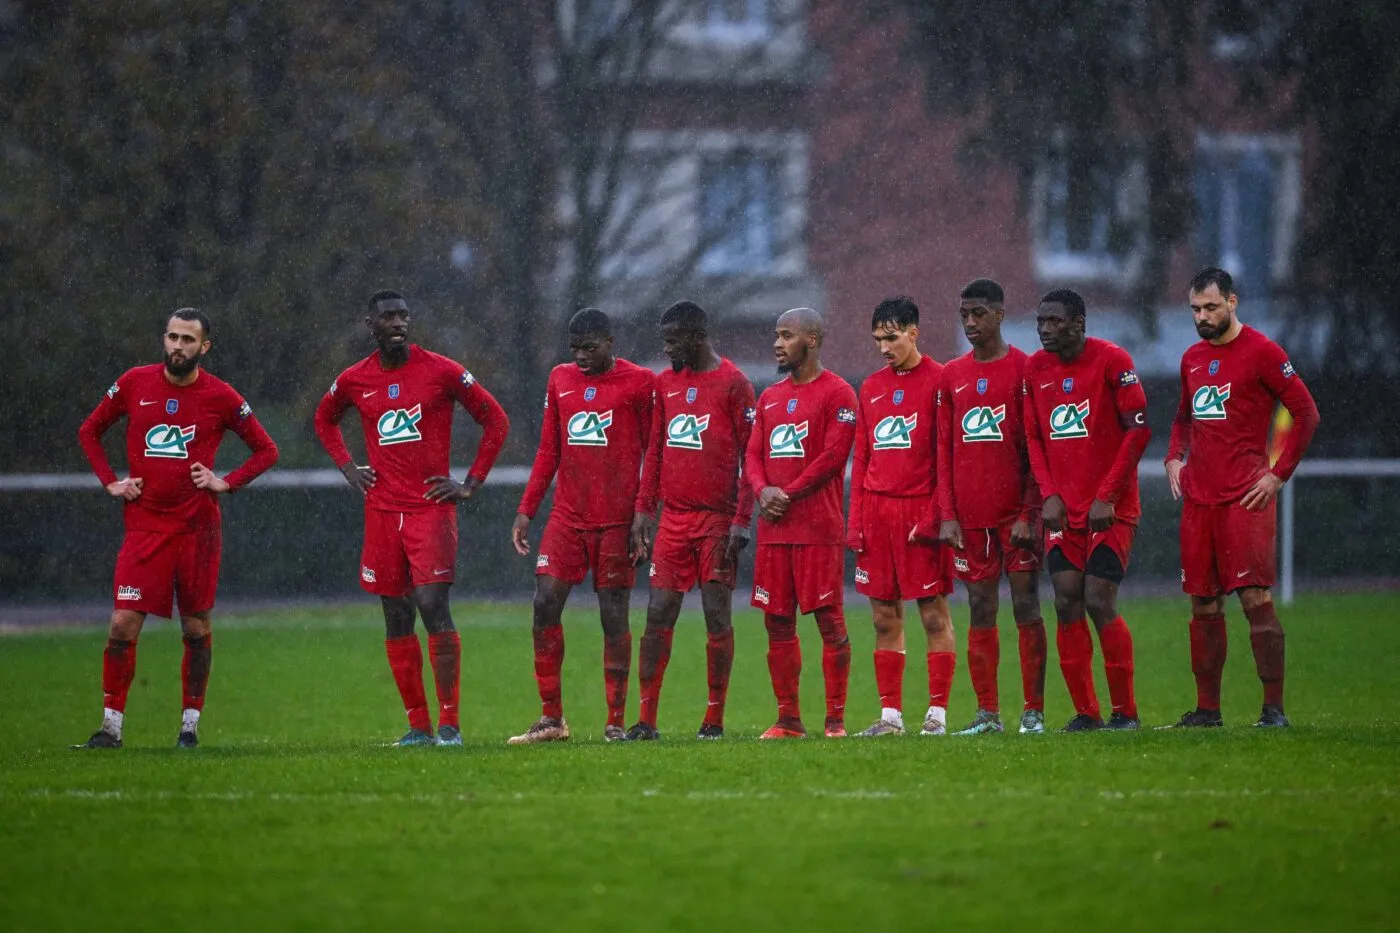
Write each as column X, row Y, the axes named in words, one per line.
column 760, row 595
column 1070, row 420
column 366, row 574
column 128, row 592
column 541, row 561
column 893, row 431
column 590, row 428
column 1055, row 536
column 169, row 441
column 1208, row 403
column 983, row 423
column 862, row 576
column 400, row 426
column 960, row 564
column 786, row 440
column 685, row 431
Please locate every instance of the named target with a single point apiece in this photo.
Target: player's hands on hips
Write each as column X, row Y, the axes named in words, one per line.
column 517, row 534
column 1101, row 515
column 950, row 533
column 639, row 541
column 738, row 540
column 447, row 489
column 205, row 478
column 1174, row 477
column 128, row 489
column 360, row 477
column 1262, row 492
column 1052, row 513
column 1021, row 535
column 773, row 503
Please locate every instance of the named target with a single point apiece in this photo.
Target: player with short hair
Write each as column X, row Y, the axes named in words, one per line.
column 598, row 413
column 893, row 525
column 987, row 497
column 795, row 465
column 406, row 396
column 700, row 428
column 1217, row 463
column 176, row 416
column 1086, row 428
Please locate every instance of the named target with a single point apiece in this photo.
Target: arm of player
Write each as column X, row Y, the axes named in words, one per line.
column 1035, row 443
column 1180, row 442
column 107, row 413
column 263, row 449
column 928, row 528
column 546, row 456
column 831, row 461
column 495, row 425
column 743, row 412
column 860, row 466
column 1295, row 397
column 943, row 422
column 650, row 489
column 1130, row 403
column 334, row 404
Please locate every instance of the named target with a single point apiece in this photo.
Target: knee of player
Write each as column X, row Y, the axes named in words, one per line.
column 1068, row 607
column 195, row 626
column 1252, row 597
column 1025, row 607
column 125, row 625
column 1102, row 607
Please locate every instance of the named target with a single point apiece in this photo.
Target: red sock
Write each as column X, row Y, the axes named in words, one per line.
column 445, row 653
column 983, row 658
column 406, row 662
column 655, row 654
column 549, row 660
column 617, row 668
column 118, row 670
column 719, row 661
column 1032, row 644
column 1117, row 644
column 784, row 663
column 889, row 678
column 941, row 665
column 194, row 670
column 1076, row 647
column 836, row 659
column 1266, row 638
column 1208, row 645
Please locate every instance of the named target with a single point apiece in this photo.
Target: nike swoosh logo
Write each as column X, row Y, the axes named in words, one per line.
column 144, row 403
column 960, row 388
column 826, row 594
column 876, row 399
column 929, row 586
column 673, row 394
column 1242, row 573
column 770, row 405
column 570, row 392
column 368, row 394
column 1046, row 385
column 1193, row 369
column 438, row 573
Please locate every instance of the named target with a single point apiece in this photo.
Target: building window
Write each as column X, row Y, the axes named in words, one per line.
column 740, row 212
column 739, row 20
column 1247, row 206
column 1083, row 217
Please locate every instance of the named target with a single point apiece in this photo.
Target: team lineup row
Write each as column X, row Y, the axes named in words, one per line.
column 997, row 463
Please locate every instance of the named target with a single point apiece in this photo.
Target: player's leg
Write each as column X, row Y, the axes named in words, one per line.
column 1103, row 573
column 197, row 634
column 611, row 561
column 430, row 544
column 1030, row 635
column 1064, row 559
column 774, row 592
column 562, row 563
column 653, row 655
column 1200, row 580
column 1247, row 557
column 937, row 619
column 983, row 652
column 1266, row 638
column 717, row 600
column 197, row 582
column 118, row 671
column 888, row 617
column 405, row 654
column 817, row 575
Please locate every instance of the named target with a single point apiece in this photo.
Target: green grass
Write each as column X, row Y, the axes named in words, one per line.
column 293, row 816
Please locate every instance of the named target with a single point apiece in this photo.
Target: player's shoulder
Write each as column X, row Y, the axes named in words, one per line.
column 1041, row 360
column 1260, row 342
column 642, row 378
column 437, row 361
column 957, row 366
column 730, row 373
column 139, row 375
column 1109, row 352
column 216, row 386
column 833, row 384
column 783, row 385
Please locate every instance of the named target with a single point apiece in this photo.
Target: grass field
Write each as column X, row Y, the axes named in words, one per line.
column 293, row 815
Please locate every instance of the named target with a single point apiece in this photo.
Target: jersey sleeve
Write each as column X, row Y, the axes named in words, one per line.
column 646, row 405
column 860, row 465
column 546, row 455
column 1035, row 442
column 741, row 411
column 107, row 413
column 927, row 527
column 1130, row 404
column 245, row 424
column 1287, row 386
column 1180, row 443
column 334, row 404
column 840, row 412
column 485, row 411
column 650, row 489
column 943, row 449
column 755, row 476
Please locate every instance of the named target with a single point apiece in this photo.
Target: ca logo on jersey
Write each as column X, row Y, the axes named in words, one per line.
column 400, row 426
column 893, row 431
column 169, row 440
column 590, row 428
column 983, row 423
column 1208, row 403
column 685, row 430
column 786, row 440
column 1070, row 420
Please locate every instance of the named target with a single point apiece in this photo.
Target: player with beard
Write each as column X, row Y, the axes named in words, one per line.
column 1217, row 462
column 176, row 416
column 986, row 498
column 794, row 464
column 598, row 414
column 700, row 428
column 893, row 527
column 406, row 396
column 1085, row 418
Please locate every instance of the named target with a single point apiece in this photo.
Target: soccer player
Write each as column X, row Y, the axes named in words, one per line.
column 893, row 527
column 176, row 417
column 795, row 465
column 1086, row 428
column 700, row 427
column 406, row 396
column 986, row 497
column 596, row 422
column 1230, row 383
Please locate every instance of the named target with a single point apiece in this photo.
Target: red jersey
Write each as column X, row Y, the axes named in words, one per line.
column 170, row 428
column 1078, row 447
column 984, row 475
column 1228, row 394
column 699, row 431
column 896, row 436
column 595, row 434
column 801, row 438
column 406, row 414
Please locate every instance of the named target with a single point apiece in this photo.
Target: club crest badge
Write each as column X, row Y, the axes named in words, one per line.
column 982, row 386
column 690, row 395
column 590, row 393
column 792, row 405
column 1068, row 385
column 394, row 390
column 898, row 397
column 1214, row 367
column 172, row 405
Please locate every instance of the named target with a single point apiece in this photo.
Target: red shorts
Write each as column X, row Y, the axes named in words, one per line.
column 689, row 549
column 153, row 566
column 988, row 552
column 792, row 578
column 892, row 569
column 407, row 549
column 1226, row 547
column 570, row 554
column 1076, row 544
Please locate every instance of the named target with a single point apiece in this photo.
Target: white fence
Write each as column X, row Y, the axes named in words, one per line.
column 1149, row 470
